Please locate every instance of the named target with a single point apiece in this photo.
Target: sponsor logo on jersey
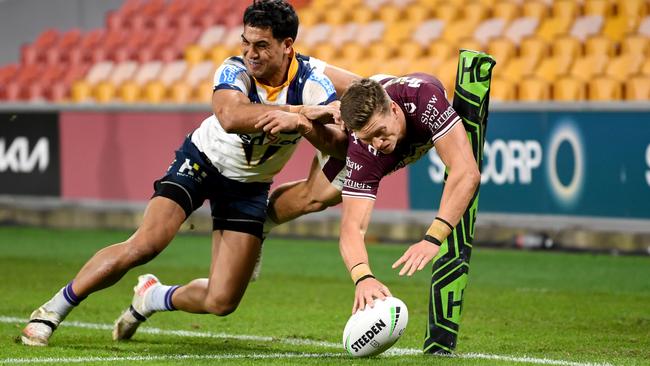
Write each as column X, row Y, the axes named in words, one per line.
column 229, row 74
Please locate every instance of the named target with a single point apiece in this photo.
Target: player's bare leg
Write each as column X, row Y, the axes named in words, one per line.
column 233, row 259
column 161, row 221
column 295, row 199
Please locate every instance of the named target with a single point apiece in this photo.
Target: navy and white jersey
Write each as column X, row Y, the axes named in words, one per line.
column 429, row 117
column 257, row 157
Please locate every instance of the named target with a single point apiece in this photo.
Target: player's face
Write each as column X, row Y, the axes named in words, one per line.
column 264, row 55
column 383, row 131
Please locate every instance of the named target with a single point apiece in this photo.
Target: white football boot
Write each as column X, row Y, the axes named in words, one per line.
column 42, row 324
column 126, row 325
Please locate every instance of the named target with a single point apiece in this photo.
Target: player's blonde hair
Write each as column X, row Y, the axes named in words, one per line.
column 361, row 101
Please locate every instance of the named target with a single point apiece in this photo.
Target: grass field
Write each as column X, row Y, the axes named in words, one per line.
column 520, row 307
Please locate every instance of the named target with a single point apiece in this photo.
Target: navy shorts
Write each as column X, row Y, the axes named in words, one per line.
column 191, row 179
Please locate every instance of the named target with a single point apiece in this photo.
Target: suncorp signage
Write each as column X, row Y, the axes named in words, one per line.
column 579, row 163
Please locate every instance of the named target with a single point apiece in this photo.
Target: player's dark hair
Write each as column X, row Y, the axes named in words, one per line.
column 278, row 15
column 362, row 100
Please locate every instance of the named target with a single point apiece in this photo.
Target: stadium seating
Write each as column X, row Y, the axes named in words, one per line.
column 157, row 51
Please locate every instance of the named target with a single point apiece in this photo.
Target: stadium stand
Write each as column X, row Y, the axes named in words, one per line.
column 598, row 49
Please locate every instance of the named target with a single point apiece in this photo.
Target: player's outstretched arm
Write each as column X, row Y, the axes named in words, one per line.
column 237, row 114
column 355, row 217
column 464, row 177
column 341, row 78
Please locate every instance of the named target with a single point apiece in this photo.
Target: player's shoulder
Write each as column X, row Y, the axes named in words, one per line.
column 312, row 71
column 231, row 68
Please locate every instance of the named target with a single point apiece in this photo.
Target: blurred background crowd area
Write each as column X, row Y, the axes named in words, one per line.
column 166, row 51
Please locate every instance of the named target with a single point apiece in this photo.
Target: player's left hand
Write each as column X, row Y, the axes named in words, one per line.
column 416, row 257
column 323, row 114
column 274, row 122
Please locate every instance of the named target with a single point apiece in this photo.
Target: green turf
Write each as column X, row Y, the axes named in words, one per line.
column 571, row 307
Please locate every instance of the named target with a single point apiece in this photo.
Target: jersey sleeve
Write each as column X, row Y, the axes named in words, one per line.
column 318, row 90
column 436, row 112
column 363, row 171
column 232, row 75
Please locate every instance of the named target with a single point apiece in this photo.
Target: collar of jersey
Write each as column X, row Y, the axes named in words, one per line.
column 272, row 92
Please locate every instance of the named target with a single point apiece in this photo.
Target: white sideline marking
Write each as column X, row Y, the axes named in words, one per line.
column 244, row 337
column 256, row 356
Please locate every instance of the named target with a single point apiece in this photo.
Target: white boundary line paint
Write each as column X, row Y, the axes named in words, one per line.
column 256, row 338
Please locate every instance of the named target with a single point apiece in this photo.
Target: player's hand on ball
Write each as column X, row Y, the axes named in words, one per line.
column 416, row 257
column 367, row 291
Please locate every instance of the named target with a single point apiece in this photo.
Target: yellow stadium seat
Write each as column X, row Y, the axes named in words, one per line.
column 389, row 14
column 427, row 65
column 194, row 54
column 553, row 67
column 324, row 51
column 637, row 88
column 180, row 92
column 395, row 66
column 475, row 12
column 585, row 68
column 361, row 15
column 565, row 9
column 417, row 13
column 459, row 29
column 446, row 12
column 410, row 50
column 597, row 7
column 502, row 49
column 457, row 3
column 154, row 92
column 469, row 43
column 104, row 92
column 447, row 75
column 516, row 69
column 378, row 51
column 203, row 92
column 568, row 89
column 506, row 9
column 502, row 90
column 534, row 48
column 365, row 67
column 533, row 89
column 604, row 89
column 635, row 44
column 441, row 50
column 599, row 45
column 398, row 32
column 129, row 92
column 622, row 67
column 616, row 27
column 217, row 54
column 566, row 46
column 645, row 67
column 553, row 27
column 632, row 8
column 308, row 16
column 335, row 16
column 352, row 51
column 535, row 9
column 81, row 91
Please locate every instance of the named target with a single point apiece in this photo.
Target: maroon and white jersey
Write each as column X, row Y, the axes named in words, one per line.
column 429, row 116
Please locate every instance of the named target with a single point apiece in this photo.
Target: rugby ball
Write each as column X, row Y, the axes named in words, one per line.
column 371, row 331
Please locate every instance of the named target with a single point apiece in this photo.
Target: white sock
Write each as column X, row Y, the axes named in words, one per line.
column 63, row 301
column 160, row 298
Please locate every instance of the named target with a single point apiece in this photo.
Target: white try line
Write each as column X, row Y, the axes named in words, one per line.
column 252, row 356
column 244, row 337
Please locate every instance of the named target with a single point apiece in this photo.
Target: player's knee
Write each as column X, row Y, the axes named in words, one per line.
column 143, row 247
column 220, row 305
